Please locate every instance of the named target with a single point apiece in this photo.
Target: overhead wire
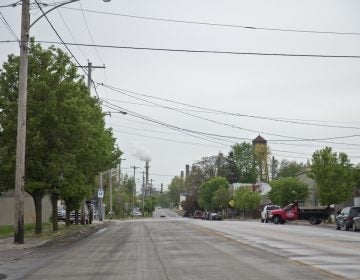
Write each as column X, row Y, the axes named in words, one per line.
column 68, row 29
column 8, row 27
column 266, row 54
column 90, row 35
column 59, row 37
column 183, row 130
column 289, row 138
column 276, row 119
column 203, row 23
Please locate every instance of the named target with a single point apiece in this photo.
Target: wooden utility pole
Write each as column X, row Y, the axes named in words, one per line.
column 134, row 192
column 89, row 72
column 21, row 125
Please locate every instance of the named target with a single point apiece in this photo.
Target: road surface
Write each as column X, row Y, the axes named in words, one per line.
column 177, row 248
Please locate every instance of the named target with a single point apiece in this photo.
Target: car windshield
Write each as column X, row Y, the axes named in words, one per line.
column 355, row 211
column 273, row 207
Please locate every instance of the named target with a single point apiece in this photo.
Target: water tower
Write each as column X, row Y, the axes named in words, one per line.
column 261, row 153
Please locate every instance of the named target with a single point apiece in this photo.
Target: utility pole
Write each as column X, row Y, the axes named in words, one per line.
column 143, row 191
column 21, row 125
column 100, row 206
column 110, row 187
column 89, row 71
column 134, row 192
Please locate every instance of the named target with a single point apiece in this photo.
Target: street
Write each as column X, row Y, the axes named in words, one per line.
column 173, row 247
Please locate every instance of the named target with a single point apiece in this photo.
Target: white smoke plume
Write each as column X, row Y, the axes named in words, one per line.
column 143, row 154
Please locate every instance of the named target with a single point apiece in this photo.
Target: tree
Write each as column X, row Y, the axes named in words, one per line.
column 221, row 198
column 67, row 143
column 208, row 189
column 333, row 174
column 246, row 200
column 243, row 158
column 290, row 168
column 176, row 187
column 288, row 189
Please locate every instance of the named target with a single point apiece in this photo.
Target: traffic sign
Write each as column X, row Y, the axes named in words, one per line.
column 100, row 193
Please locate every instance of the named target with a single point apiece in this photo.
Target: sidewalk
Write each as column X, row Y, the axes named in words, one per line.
column 32, row 242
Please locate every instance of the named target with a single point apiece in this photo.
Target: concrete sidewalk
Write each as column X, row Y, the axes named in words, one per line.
column 31, row 242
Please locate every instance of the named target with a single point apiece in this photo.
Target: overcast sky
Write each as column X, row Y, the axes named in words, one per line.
column 322, row 91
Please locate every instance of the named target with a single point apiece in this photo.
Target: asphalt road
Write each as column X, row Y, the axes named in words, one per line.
column 167, row 248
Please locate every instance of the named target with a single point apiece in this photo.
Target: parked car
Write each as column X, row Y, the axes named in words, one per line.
column 137, row 214
column 266, row 215
column 214, row 216
column 86, row 215
column 205, row 216
column 346, row 217
column 356, row 223
column 198, row 214
column 61, row 213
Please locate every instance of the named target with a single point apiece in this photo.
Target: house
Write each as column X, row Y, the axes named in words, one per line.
column 313, row 199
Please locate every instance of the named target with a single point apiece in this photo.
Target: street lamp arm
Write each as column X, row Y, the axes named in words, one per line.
column 53, row 8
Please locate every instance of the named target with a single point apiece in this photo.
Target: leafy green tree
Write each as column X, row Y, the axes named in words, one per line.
column 208, row 189
column 221, row 198
column 288, row 189
column 333, row 174
column 244, row 163
column 246, row 200
column 67, row 143
column 290, row 168
column 176, row 187
column 149, row 206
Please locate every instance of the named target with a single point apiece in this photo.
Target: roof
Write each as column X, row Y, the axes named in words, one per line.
column 259, row 139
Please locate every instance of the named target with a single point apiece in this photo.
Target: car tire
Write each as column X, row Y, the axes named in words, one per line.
column 313, row 220
column 277, row 220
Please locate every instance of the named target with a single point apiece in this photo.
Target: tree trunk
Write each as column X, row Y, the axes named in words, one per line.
column 67, row 221
column 54, row 199
column 37, row 196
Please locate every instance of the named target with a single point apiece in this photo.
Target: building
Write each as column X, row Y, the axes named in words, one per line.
column 7, row 209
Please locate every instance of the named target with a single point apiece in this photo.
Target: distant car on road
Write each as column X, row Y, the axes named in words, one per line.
column 266, row 212
column 346, row 217
column 137, row 214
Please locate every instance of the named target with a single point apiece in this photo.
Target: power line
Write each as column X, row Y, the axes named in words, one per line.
column 57, row 34
column 276, row 119
column 198, row 51
column 68, row 29
column 203, row 23
column 290, row 138
column 17, row 3
column 90, row 35
column 8, row 27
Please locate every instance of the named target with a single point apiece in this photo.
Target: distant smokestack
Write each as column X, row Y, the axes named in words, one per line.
column 147, row 172
column 182, row 175
column 187, row 170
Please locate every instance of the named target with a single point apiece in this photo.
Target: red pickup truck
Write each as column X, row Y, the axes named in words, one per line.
column 292, row 212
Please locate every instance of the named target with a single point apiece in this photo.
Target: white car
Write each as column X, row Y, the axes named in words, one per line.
column 266, row 212
column 137, row 214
